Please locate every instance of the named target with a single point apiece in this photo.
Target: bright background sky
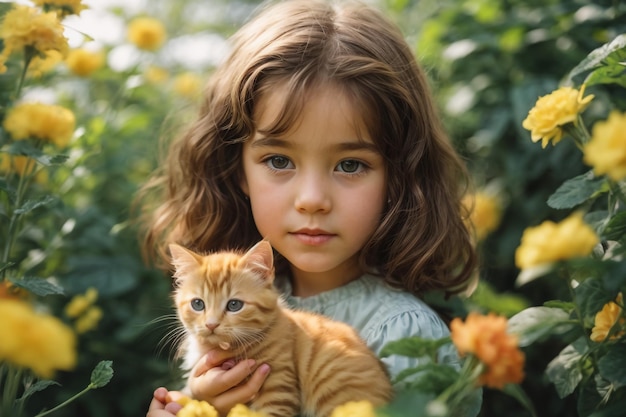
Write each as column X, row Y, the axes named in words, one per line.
column 195, row 52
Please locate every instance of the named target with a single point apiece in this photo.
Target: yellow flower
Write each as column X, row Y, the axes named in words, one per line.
column 17, row 163
column 606, row 318
column 62, row 7
column 41, row 121
column 195, row 408
column 550, row 242
column 24, row 27
column 606, row 151
column 553, row 111
column 156, row 75
column 40, row 65
column 83, row 62
column 146, row 33
column 354, row 409
column 485, row 213
column 36, row 341
column 80, row 303
column 188, row 85
column 241, row 410
column 486, row 338
column 89, row 320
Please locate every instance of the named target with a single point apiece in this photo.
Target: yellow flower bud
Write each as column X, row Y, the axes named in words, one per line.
column 83, row 62
column 146, row 33
column 606, row 151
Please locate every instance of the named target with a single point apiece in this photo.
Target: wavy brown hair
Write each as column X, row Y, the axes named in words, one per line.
column 422, row 242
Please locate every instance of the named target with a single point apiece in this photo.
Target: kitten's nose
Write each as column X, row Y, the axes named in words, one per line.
column 211, row 325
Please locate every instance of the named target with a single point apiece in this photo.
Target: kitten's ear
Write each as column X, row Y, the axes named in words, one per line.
column 183, row 260
column 261, row 259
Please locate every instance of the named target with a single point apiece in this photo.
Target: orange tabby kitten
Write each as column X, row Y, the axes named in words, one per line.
column 226, row 300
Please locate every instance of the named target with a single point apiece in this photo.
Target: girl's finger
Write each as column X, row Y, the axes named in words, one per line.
column 244, row 393
column 160, row 394
column 217, row 381
column 212, row 359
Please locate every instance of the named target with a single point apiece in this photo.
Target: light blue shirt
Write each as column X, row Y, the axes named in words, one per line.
column 381, row 314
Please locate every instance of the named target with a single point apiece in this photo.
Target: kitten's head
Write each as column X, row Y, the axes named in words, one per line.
column 225, row 299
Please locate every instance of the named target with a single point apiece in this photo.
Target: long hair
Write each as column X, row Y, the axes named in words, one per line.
column 422, row 242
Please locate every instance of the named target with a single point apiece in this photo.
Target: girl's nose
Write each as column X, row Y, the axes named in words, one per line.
column 313, row 194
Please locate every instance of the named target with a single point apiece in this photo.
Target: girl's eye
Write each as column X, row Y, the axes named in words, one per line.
column 197, row 304
column 350, row 166
column 278, row 162
column 234, row 305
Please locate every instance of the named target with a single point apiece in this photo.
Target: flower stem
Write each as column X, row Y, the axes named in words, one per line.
column 29, row 54
column 12, row 383
column 457, row 393
column 66, row 402
column 15, row 217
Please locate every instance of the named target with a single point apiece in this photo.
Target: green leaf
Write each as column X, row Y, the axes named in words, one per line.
column 610, row 74
column 110, row 275
column 5, row 265
column 591, row 296
column 502, row 303
column 612, row 365
column 48, row 160
column 25, row 148
column 589, row 395
column 407, row 400
column 414, row 347
column 614, row 408
column 535, row 323
column 518, row 393
column 38, row 286
column 102, row 374
column 429, row 377
column 36, row 387
column 32, row 205
column 596, row 57
column 576, row 191
column 614, row 275
column 563, row 371
column 616, row 227
column 566, row 306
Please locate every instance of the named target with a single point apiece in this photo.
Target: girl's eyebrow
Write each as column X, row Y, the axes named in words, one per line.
column 342, row 146
column 265, row 141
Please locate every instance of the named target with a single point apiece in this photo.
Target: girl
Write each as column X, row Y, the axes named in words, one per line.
column 319, row 133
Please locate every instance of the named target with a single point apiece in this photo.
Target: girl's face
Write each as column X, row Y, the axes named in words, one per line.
column 318, row 191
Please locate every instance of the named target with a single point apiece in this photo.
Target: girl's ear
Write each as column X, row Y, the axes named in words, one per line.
column 183, row 260
column 260, row 259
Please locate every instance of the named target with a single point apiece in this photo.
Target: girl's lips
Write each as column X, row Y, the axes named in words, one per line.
column 311, row 237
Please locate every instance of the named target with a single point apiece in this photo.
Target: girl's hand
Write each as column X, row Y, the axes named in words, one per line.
column 163, row 404
column 223, row 383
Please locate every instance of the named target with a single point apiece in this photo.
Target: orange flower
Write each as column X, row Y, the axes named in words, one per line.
column 606, row 318
column 486, row 338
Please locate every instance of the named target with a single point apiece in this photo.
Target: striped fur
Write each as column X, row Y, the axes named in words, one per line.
column 317, row 364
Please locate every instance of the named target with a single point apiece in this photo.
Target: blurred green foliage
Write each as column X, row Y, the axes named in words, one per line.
column 489, row 61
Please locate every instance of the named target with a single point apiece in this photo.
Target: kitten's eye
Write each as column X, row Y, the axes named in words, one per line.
column 234, row 305
column 197, row 304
